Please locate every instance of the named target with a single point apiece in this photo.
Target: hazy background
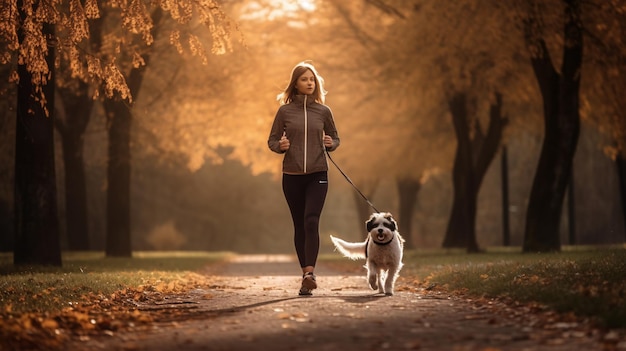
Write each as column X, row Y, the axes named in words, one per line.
column 204, row 179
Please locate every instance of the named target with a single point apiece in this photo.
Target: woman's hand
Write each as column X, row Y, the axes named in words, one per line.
column 283, row 143
column 328, row 141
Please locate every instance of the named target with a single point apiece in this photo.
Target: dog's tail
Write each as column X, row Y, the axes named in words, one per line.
column 353, row 251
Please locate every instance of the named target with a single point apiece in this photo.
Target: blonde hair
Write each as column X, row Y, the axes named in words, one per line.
column 319, row 94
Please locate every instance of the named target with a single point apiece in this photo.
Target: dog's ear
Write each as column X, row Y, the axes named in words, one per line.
column 369, row 225
column 393, row 226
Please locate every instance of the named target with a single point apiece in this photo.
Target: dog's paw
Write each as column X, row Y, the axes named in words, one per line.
column 390, row 293
column 373, row 283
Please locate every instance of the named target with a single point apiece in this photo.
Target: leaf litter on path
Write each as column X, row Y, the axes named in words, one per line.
column 234, row 310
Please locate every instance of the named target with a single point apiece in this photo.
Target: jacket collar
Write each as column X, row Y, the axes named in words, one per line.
column 299, row 99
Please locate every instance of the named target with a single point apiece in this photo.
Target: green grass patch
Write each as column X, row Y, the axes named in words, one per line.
column 49, row 289
column 588, row 283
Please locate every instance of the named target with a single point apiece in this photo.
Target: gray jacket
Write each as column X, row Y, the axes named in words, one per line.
column 304, row 121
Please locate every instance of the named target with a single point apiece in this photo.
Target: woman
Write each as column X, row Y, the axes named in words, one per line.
column 303, row 130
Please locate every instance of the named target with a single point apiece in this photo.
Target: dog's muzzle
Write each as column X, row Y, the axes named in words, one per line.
column 381, row 235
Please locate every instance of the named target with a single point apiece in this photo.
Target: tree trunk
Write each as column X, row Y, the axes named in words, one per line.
column 461, row 225
column 620, row 163
column 571, row 209
column 75, row 193
column 486, row 147
column 504, row 171
column 77, row 110
column 118, row 239
column 407, row 191
column 562, row 126
column 36, row 216
column 471, row 164
column 119, row 117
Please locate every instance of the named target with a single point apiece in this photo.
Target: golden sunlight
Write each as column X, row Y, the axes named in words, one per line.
column 271, row 10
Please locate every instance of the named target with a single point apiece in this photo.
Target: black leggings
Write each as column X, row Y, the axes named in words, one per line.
column 305, row 195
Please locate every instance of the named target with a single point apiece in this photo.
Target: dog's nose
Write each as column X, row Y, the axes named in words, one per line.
column 380, row 231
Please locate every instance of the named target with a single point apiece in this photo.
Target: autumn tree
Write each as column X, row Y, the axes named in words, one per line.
column 119, row 120
column 471, row 62
column 476, row 149
column 36, row 216
column 119, row 114
column 560, row 92
column 7, row 161
column 101, row 69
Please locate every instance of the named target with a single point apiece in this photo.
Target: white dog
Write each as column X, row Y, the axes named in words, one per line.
column 382, row 250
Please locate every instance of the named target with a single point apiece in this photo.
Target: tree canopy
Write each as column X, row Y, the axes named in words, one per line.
column 126, row 33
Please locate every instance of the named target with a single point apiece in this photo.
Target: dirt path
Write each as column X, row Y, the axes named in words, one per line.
column 254, row 306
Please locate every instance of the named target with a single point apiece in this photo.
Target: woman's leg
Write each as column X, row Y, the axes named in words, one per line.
column 294, row 190
column 305, row 195
column 316, row 191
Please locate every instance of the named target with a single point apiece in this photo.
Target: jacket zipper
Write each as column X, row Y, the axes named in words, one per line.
column 306, row 128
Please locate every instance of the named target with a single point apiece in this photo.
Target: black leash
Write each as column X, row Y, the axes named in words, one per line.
column 351, row 183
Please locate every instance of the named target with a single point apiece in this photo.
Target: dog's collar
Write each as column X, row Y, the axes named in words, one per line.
column 385, row 243
column 377, row 243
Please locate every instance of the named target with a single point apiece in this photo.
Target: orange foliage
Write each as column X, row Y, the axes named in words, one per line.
column 75, row 23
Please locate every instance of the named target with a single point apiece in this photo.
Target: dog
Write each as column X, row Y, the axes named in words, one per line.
column 382, row 250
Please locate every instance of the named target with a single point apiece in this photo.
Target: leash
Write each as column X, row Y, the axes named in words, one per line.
column 350, row 181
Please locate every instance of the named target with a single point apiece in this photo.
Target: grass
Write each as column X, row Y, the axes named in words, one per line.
column 589, row 283
column 49, row 289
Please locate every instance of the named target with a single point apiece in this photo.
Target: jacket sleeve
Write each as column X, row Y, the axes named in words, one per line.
column 276, row 133
column 330, row 129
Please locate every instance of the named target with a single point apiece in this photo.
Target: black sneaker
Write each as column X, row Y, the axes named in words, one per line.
column 304, row 292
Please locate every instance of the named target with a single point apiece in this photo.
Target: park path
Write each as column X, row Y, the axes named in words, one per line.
column 253, row 305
